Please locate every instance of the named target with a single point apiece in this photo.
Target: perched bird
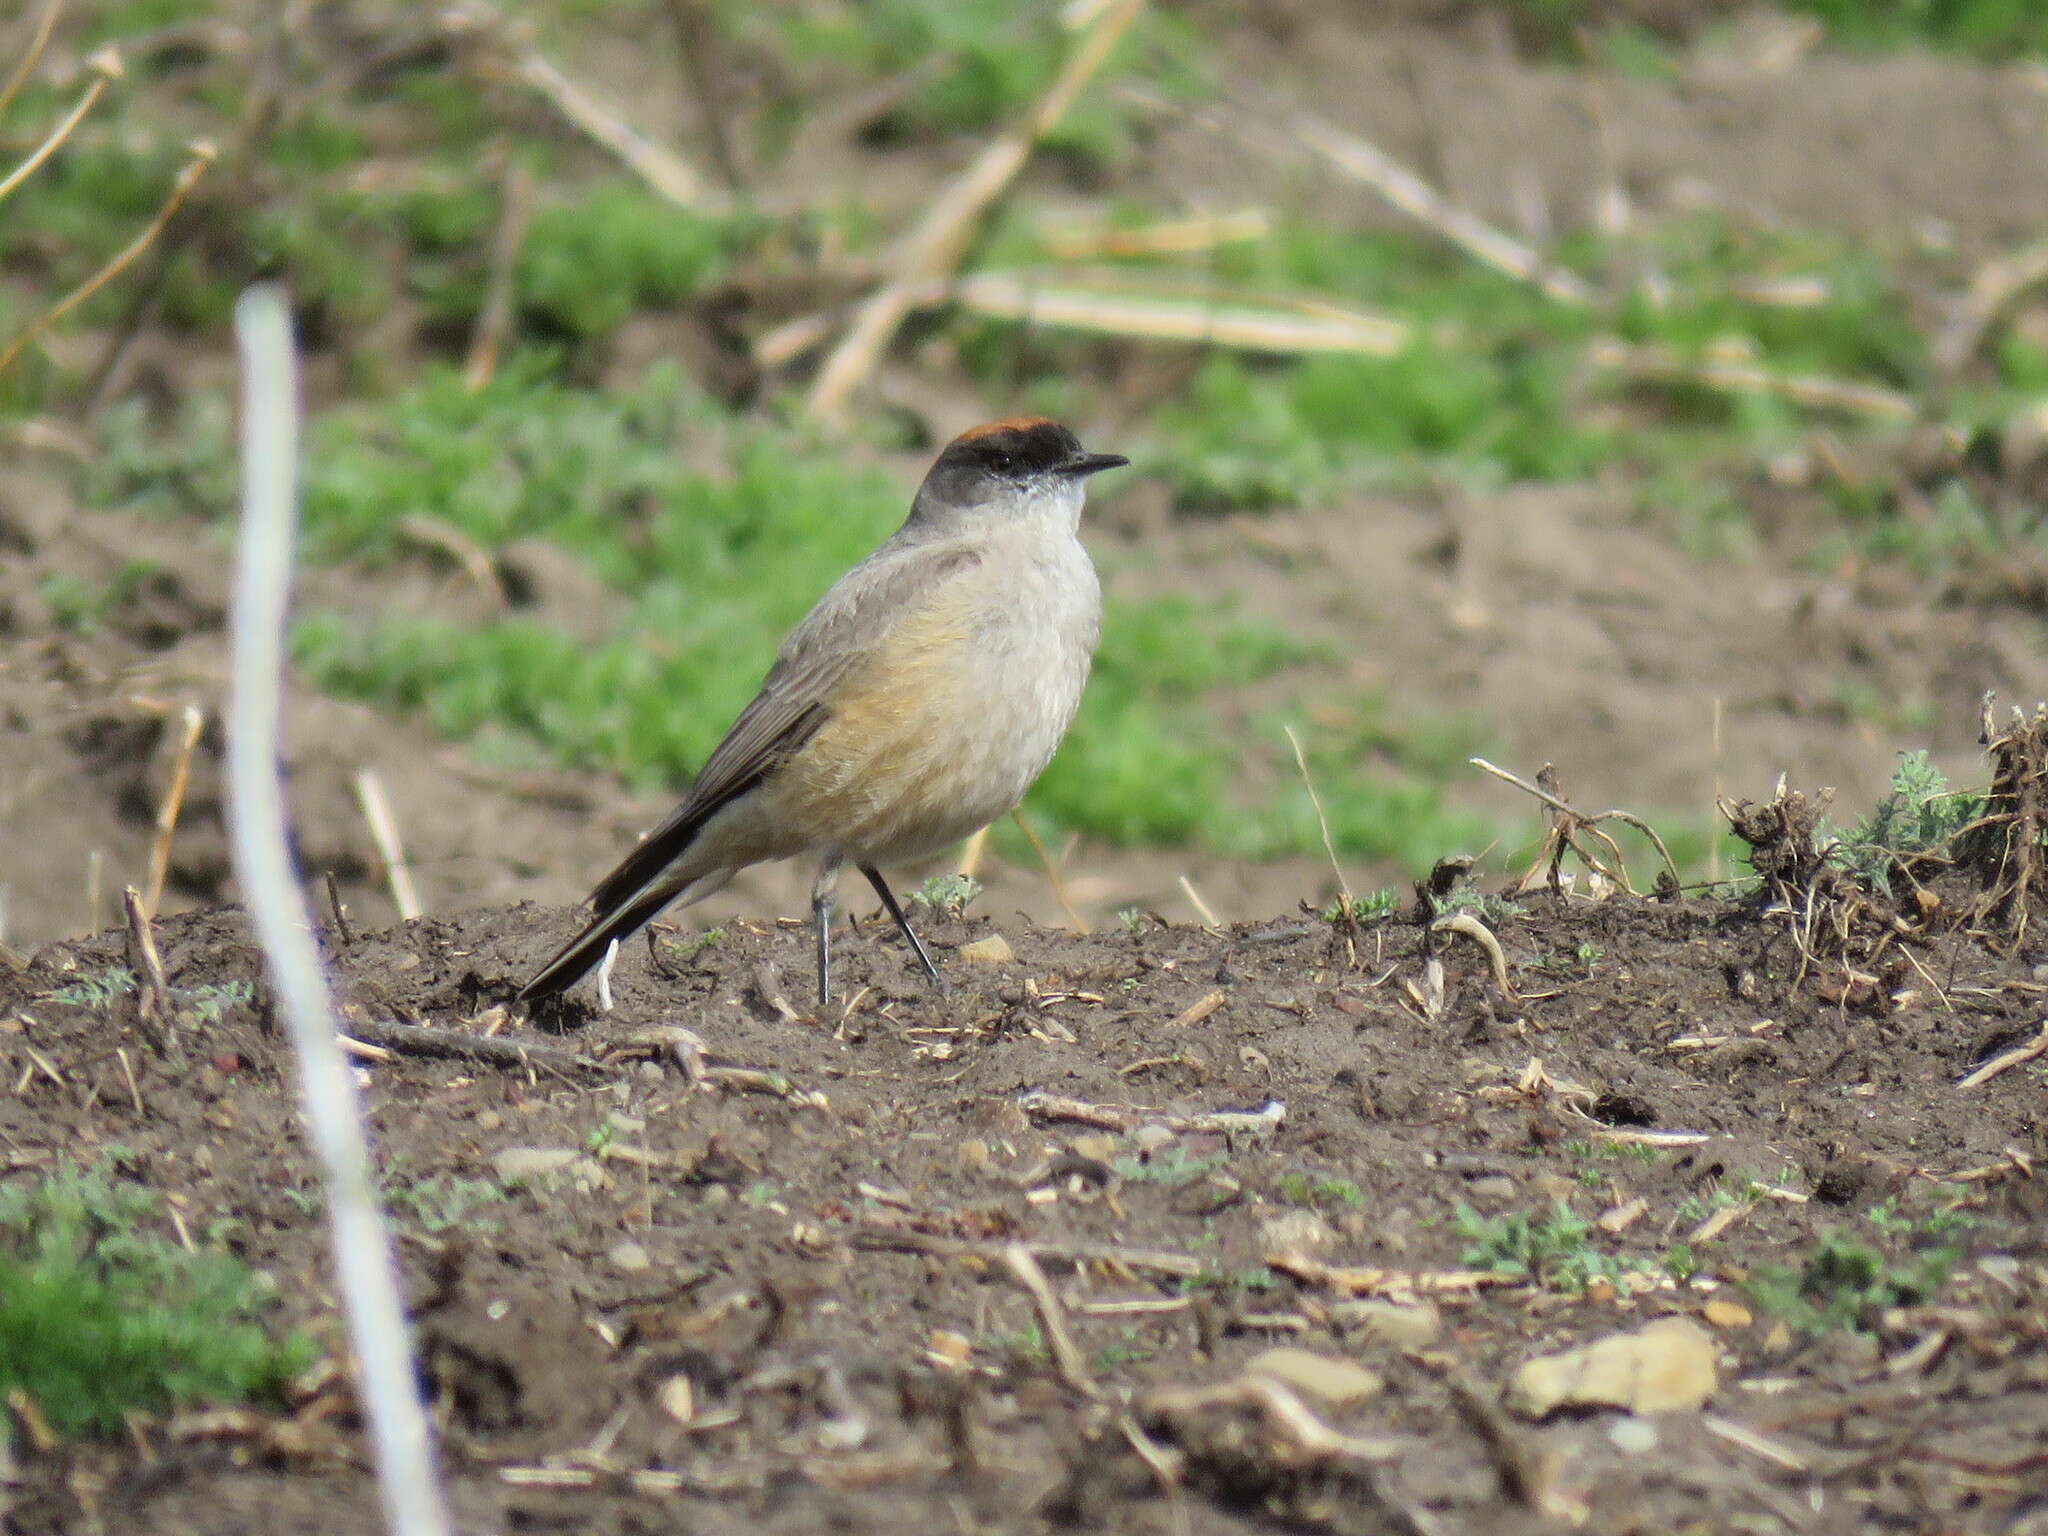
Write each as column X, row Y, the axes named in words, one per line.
column 916, row 704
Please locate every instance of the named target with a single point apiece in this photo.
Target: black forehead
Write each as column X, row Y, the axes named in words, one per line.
column 1012, row 447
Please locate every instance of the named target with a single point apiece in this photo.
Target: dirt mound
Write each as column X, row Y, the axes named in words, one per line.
column 723, row 1260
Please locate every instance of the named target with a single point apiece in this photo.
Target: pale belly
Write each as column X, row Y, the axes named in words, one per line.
column 947, row 730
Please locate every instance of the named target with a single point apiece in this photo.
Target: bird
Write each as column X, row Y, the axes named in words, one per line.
column 918, row 702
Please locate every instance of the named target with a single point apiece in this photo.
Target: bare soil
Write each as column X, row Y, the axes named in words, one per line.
column 778, row 1300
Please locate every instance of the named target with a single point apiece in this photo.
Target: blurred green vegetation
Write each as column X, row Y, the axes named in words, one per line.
column 711, row 517
column 101, row 1316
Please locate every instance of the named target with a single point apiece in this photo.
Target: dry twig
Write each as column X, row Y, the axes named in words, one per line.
column 31, row 55
column 1177, row 1266
column 1163, row 237
column 1997, row 288
column 1066, row 1357
column 935, row 245
column 656, row 164
column 202, row 154
column 2007, row 846
column 1471, row 927
column 383, row 826
column 1052, row 871
column 148, row 965
column 1371, row 166
column 2020, row 1056
column 194, row 720
column 460, row 1045
column 106, row 68
column 1119, row 304
column 1568, row 827
column 494, row 319
column 1736, row 377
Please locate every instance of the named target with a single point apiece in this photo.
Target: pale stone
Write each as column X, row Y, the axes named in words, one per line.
column 1404, row 1325
column 517, row 1164
column 993, row 950
column 1667, row 1367
column 1296, row 1231
column 1332, row 1384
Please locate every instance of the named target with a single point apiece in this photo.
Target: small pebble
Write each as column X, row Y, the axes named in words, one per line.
column 679, row 1398
column 1635, row 1435
column 1153, row 1136
column 1726, row 1314
column 993, row 950
column 513, row 1164
column 1333, row 1384
column 1400, row 1324
column 629, row 1258
column 1297, row 1231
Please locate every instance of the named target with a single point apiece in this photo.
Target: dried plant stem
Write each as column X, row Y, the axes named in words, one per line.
column 148, row 966
column 95, row 876
column 1052, row 872
column 1371, row 166
column 656, row 164
column 1066, row 1356
column 1202, row 908
column 1163, row 237
column 202, row 156
column 106, row 68
column 2019, row 1056
column 408, row 1481
column 934, row 246
column 515, row 212
column 173, row 802
column 1322, row 821
column 383, row 824
column 1569, row 823
column 1252, row 324
column 1119, row 306
column 32, row 55
column 1815, row 391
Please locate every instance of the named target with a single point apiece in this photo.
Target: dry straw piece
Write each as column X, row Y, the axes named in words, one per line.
column 106, row 68
column 935, row 245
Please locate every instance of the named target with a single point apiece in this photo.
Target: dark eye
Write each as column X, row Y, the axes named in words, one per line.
column 999, row 462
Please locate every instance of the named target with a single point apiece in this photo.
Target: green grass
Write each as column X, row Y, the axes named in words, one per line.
column 1846, row 1281
column 1321, row 1190
column 1554, row 1249
column 950, row 895
column 1571, row 30
column 99, row 991
column 445, row 1201
column 101, row 1316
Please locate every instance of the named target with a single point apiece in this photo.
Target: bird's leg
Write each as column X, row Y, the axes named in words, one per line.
column 822, row 891
column 889, row 900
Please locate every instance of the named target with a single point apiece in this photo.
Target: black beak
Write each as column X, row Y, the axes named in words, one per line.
column 1085, row 464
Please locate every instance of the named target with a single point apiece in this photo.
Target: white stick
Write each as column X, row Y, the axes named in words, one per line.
column 407, row 1478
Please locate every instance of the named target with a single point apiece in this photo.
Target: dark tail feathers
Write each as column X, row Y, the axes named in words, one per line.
column 583, row 952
